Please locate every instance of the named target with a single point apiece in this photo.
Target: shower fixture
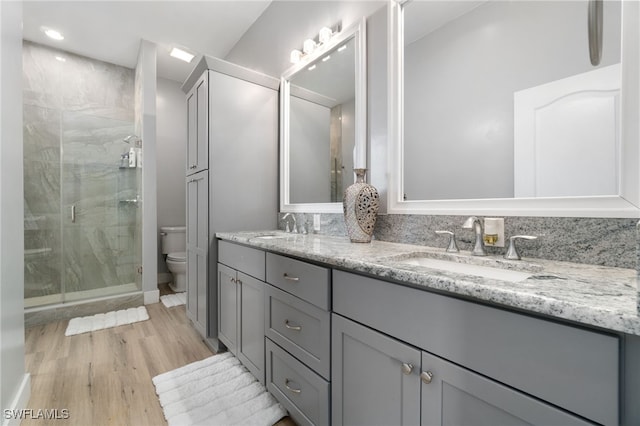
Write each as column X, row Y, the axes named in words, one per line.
column 136, row 140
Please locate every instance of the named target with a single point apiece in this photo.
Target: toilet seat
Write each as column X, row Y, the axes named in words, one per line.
column 180, row 256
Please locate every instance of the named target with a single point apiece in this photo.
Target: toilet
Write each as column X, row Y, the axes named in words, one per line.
column 174, row 245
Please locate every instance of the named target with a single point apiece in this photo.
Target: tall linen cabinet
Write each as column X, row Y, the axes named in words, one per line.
column 231, row 172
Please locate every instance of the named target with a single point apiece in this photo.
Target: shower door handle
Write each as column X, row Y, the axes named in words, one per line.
column 73, row 213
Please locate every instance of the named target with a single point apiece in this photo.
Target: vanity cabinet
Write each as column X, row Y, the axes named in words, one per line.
column 298, row 329
column 380, row 380
column 241, row 304
column 236, row 142
column 482, row 359
column 197, row 249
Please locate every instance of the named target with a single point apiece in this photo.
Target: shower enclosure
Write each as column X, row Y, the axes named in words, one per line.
column 82, row 206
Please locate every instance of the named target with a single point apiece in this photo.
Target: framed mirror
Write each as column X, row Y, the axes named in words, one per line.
column 497, row 109
column 323, row 123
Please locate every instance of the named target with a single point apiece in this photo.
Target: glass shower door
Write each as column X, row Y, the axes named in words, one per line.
column 99, row 208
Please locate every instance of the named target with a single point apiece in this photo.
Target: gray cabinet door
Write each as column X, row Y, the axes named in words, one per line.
column 456, row 396
column 227, row 307
column 251, row 328
column 198, row 126
column 375, row 379
column 197, row 249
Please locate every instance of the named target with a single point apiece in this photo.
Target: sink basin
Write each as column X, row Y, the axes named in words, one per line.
column 271, row 236
column 509, row 275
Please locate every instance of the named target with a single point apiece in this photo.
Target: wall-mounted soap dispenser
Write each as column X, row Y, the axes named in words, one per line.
column 493, row 232
column 132, row 157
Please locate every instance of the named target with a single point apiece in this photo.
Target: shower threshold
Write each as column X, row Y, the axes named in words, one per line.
column 79, row 296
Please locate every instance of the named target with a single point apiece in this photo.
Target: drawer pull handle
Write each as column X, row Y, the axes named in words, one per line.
column 233, row 280
column 406, row 368
column 290, row 278
column 426, row 377
column 289, row 388
column 292, row 327
column 193, row 166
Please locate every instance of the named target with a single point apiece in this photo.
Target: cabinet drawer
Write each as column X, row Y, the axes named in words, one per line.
column 570, row 367
column 303, row 393
column 299, row 327
column 306, row 281
column 245, row 259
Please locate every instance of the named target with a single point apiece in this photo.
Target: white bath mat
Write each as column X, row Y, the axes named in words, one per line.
column 110, row 319
column 171, row 300
column 216, row 391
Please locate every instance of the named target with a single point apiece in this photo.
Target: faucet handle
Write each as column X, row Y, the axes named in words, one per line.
column 453, row 247
column 512, row 251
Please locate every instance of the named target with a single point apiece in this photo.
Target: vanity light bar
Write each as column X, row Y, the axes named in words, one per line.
column 309, row 45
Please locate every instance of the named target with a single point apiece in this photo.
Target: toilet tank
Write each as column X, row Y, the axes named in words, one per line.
column 173, row 239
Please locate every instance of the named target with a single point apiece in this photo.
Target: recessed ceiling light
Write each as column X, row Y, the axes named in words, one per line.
column 311, row 68
column 341, row 48
column 181, row 54
column 61, row 59
column 326, row 58
column 51, row 33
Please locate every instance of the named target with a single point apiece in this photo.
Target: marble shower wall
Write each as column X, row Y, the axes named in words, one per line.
column 76, row 113
column 596, row 241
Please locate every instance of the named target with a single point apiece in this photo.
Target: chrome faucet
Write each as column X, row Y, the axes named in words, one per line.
column 475, row 224
column 295, row 227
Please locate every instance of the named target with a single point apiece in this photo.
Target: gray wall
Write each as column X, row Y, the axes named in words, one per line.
column 171, row 157
column 459, row 85
column 14, row 383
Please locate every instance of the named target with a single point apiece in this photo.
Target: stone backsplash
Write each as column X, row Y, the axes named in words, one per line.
column 596, row 241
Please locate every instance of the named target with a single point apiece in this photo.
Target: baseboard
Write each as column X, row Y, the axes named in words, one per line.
column 164, row 277
column 151, row 297
column 19, row 403
column 215, row 345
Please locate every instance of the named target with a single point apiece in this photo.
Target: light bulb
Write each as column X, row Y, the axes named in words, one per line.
column 325, row 35
column 309, row 46
column 296, row 56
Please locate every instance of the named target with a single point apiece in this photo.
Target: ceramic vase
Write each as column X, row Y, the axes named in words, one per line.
column 360, row 204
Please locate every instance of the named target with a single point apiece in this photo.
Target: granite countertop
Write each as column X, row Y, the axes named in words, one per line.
column 593, row 295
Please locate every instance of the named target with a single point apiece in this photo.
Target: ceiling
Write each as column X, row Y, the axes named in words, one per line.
column 111, row 31
column 423, row 17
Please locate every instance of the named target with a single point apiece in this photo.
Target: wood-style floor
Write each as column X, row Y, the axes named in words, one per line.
column 104, row 377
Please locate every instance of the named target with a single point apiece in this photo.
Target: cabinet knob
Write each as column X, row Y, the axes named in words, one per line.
column 292, row 327
column 193, row 166
column 289, row 388
column 426, row 377
column 407, row 368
